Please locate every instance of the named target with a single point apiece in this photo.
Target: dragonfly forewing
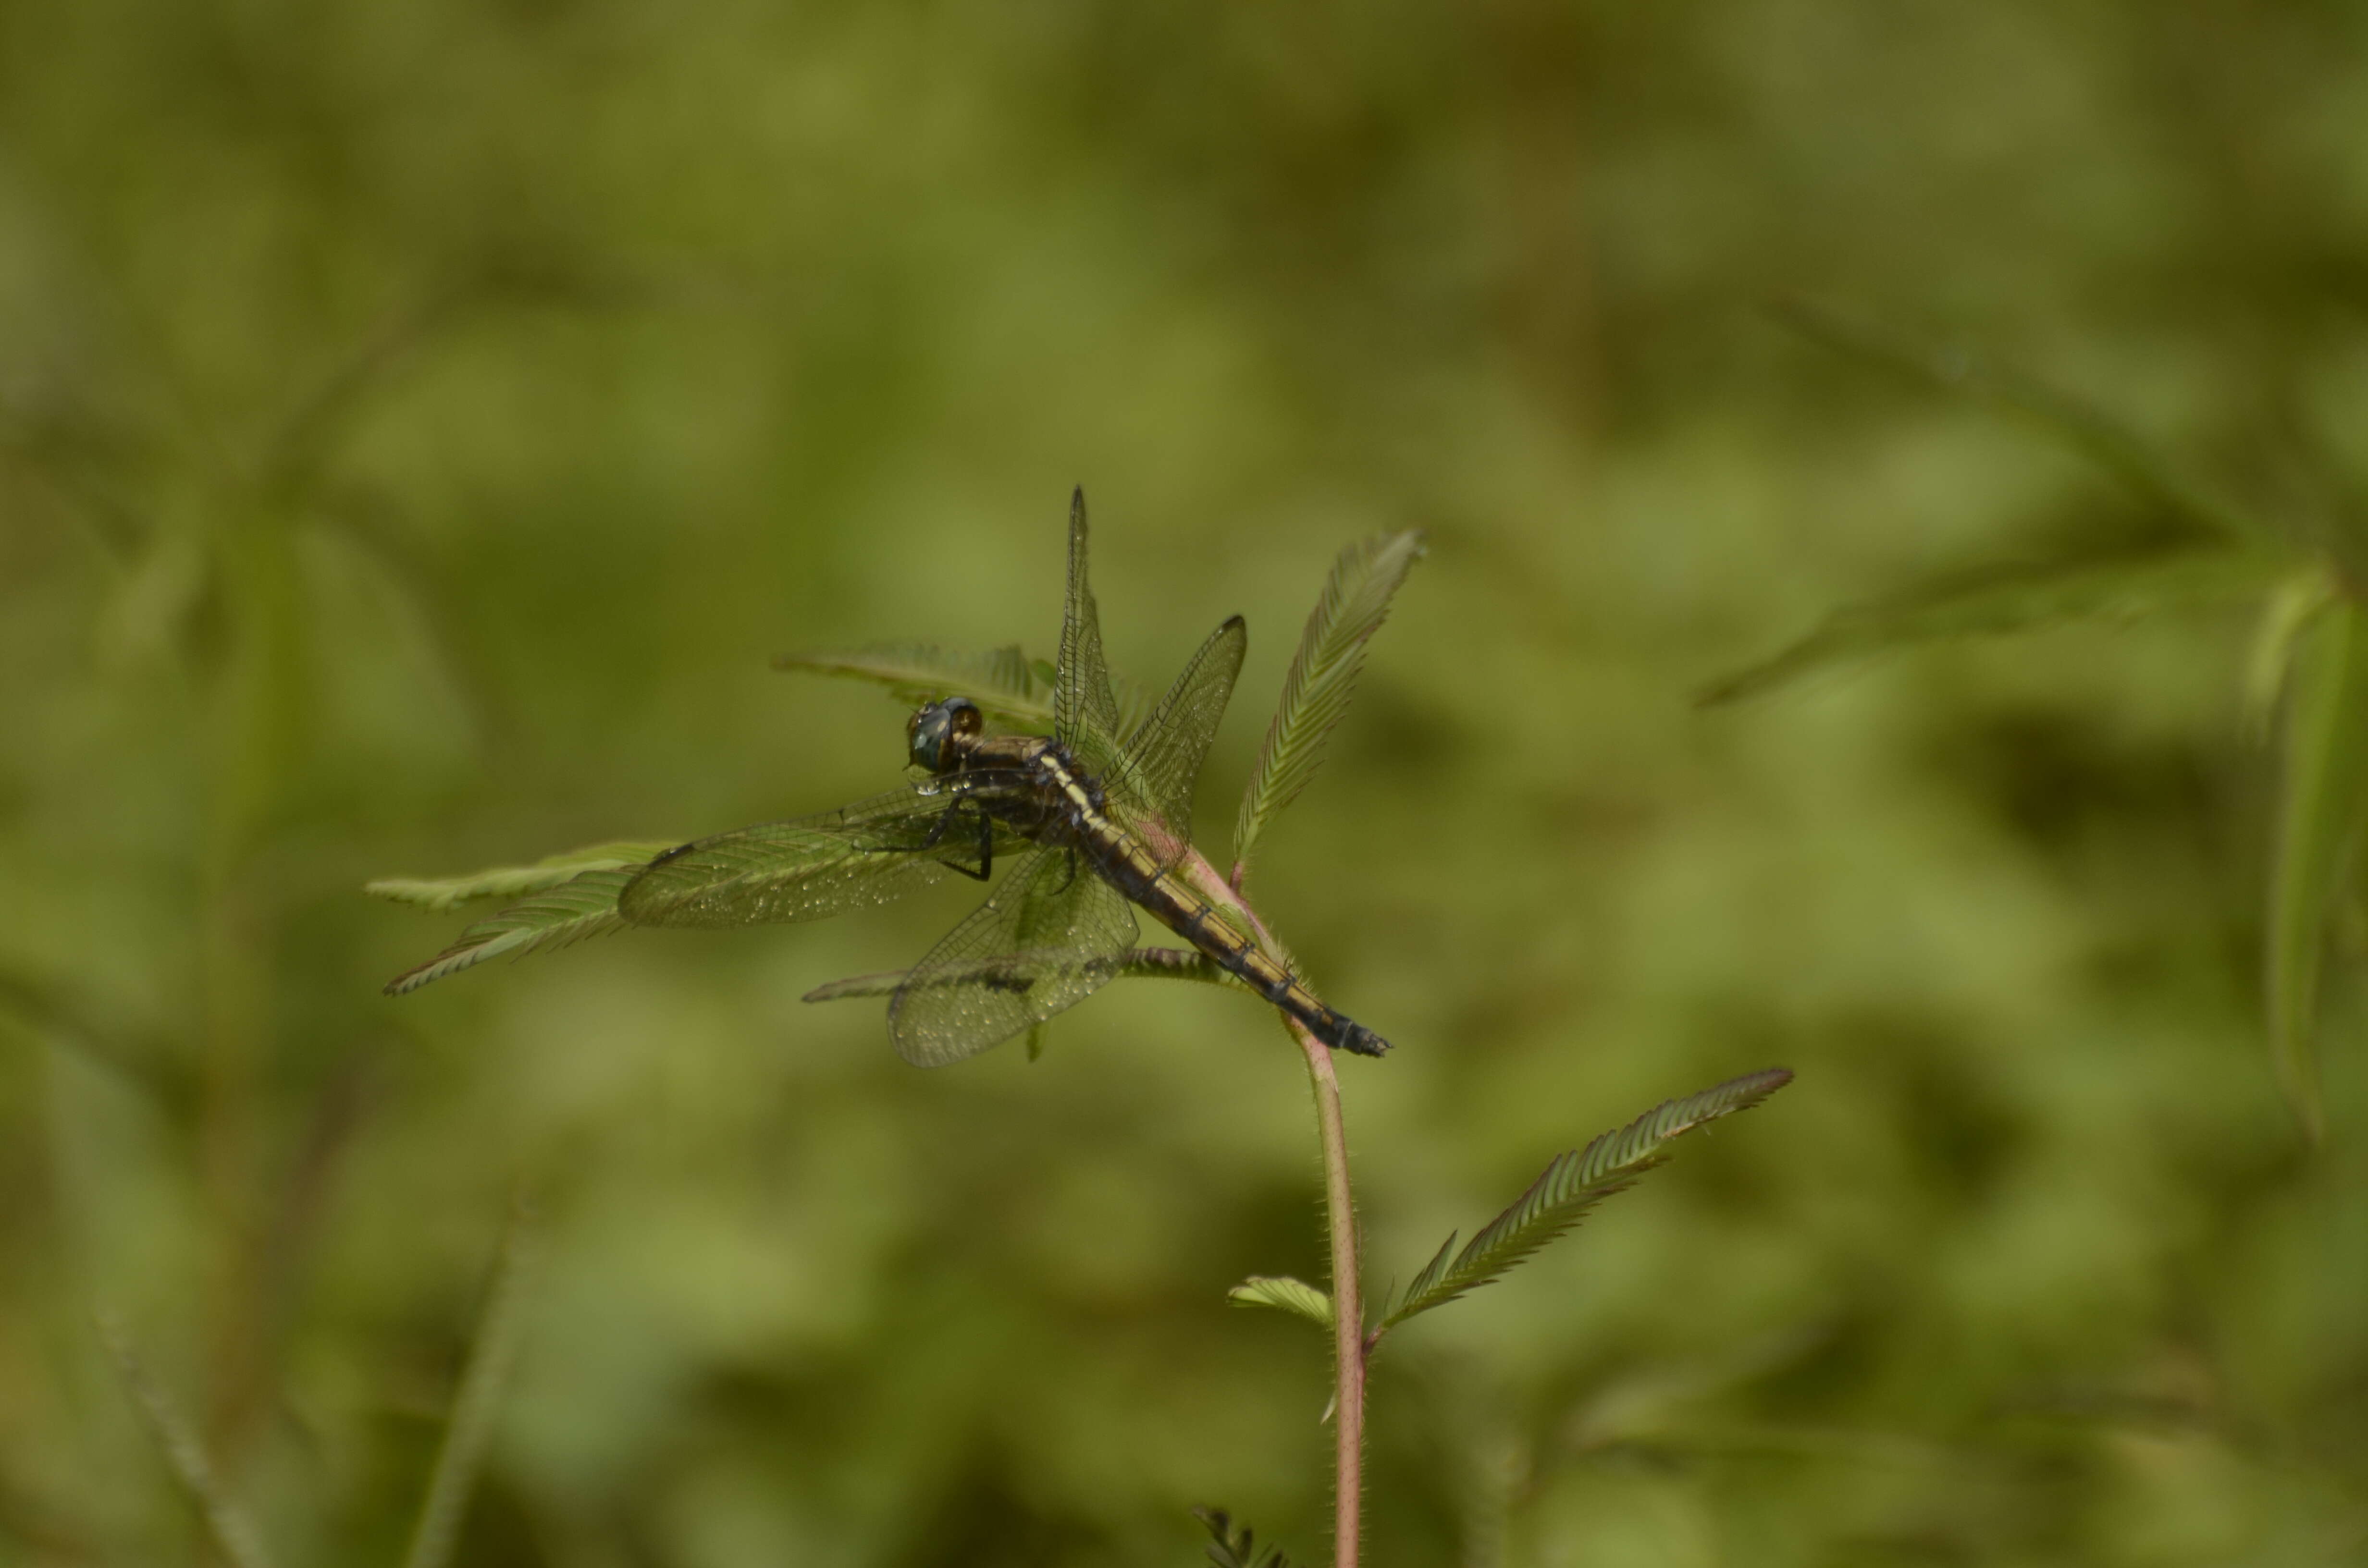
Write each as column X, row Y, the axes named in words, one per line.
column 1085, row 710
column 1164, row 755
column 872, row 852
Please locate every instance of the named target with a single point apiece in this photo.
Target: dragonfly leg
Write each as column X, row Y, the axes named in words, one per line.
column 936, row 836
column 985, row 847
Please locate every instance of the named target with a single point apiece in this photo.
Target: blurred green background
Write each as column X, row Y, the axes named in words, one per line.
column 420, row 424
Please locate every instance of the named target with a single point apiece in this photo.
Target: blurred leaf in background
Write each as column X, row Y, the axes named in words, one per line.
column 2307, row 631
column 419, row 426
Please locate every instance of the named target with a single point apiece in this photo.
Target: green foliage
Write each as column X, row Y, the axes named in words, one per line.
column 583, row 906
column 810, row 306
column 1569, row 1187
column 512, row 881
column 1003, row 682
column 2305, row 576
column 2289, row 609
column 43, row 1008
column 2019, row 599
column 1284, row 1294
column 2080, row 426
column 469, row 1430
column 2325, row 778
column 228, row 1524
column 1231, row 1548
column 1323, row 676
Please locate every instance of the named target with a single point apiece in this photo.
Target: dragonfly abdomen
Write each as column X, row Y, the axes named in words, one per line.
column 1076, row 802
column 1197, row 920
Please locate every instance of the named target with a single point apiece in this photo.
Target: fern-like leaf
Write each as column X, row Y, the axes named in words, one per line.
column 516, row 882
column 1323, row 676
column 2013, row 599
column 1568, row 1187
column 1003, row 682
column 2319, row 816
column 1230, row 1547
column 585, row 905
column 1284, row 1294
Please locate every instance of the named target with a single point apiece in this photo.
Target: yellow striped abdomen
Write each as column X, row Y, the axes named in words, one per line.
column 1125, row 861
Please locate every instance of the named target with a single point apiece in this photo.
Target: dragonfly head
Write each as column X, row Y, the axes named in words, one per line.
column 935, row 732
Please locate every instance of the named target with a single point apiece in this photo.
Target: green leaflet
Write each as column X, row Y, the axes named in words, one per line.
column 1229, row 1548
column 2318, row 822
column 1575, row 1183
column 1002, row 681
column 1323, row 676
column 1284, row 1294
column 514, row 881
column 585, row 905
column 2080, row 426
column 2287, row 612
column 2014, row 599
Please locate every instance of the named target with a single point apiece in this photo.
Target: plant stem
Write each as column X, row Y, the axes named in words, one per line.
column 1348, row 1343
column 1347, row 1304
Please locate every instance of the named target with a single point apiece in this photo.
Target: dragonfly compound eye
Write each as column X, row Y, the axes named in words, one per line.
column 929, row 729
column 925, row 736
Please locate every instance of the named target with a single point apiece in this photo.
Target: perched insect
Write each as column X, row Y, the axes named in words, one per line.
column 1098, row 818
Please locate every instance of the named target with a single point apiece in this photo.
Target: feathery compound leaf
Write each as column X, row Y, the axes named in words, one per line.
column 1002, row 681
column 1323, row 676
column 2086, row 430
column 585, row 905
column 1284, row 1294
column 1229, row 1548
column 2013, row 599
column 516, row 882
column 2318, row 823
column 1572, row 1184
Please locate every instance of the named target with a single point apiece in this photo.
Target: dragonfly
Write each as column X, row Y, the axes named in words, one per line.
column 1094, row 820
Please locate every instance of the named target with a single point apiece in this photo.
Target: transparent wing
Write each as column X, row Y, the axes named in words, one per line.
column 1085, row 713
column 1163, row 757
column 1051, row 937
column 872, row 852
